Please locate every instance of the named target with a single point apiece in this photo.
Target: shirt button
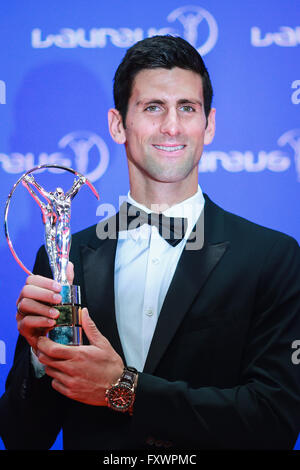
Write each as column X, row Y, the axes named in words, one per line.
column 149, row 312
column 155, row 260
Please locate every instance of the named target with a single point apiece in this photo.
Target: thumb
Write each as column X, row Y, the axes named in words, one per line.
column 93, row 334
column 70, row 273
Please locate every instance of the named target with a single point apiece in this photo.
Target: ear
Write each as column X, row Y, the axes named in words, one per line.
column 116, row 128
column 211, row 127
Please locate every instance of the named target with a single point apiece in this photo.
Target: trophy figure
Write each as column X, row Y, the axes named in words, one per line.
column 56, row 215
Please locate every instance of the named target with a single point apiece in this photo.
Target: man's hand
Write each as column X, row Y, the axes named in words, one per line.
column 82, row 373
column 35, row 312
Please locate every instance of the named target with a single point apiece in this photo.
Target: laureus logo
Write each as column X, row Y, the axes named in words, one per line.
column 191, row 17
column 292, row 138
column 84, row 151
column 199, row 28
column 83, row 144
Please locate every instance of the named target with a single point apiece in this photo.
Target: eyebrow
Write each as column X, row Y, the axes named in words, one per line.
column 159, row 101
column 184, row 101
column 154, row 100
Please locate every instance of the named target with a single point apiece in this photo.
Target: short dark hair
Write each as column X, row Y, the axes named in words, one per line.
column 158, row 52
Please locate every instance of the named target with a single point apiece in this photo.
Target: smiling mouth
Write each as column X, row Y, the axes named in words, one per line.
column 169, row 148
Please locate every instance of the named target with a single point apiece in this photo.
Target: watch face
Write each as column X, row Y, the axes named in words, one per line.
column 120, row 397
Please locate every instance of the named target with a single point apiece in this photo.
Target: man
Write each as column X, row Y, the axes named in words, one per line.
column 206, row 332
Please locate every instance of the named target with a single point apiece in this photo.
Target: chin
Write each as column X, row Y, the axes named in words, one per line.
column 161, row 178
column 168, row 175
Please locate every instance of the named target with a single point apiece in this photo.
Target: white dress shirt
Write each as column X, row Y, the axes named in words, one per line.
column 144, row 267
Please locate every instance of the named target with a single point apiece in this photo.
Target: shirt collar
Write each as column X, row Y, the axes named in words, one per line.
column 190, row 208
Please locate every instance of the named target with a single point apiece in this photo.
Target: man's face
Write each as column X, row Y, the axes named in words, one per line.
column 166, row 125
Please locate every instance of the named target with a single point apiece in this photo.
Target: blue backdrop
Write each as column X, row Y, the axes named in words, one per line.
column 57, row 61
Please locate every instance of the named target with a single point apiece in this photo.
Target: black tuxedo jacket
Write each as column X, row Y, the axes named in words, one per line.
column 219, row 373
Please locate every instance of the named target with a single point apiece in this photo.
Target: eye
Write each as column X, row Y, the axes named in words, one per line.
column 187, row 108
column 152, row 108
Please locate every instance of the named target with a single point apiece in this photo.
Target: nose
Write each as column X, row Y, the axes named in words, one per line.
column 171, row 124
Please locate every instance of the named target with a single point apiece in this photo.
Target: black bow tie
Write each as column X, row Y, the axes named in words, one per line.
column 172, row 229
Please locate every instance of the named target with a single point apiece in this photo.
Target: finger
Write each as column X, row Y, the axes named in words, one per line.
column 55, row 364
column 61, row 382
column 29, row 323
column 56, row 374
column 57, row 367
column 43, row 282
column 90, row 329
column 31, row 329
column 55, row 350
column 70, row 272
column 32, row 307
column 39, row 294
column 60, row 387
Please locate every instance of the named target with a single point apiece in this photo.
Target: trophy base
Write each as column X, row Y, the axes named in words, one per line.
column 68, row 328
column 67, row 335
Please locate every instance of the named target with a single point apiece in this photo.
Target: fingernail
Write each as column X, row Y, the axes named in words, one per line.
column 53, row 312
column 51, row 322
column 57, row 298
column 56, row 286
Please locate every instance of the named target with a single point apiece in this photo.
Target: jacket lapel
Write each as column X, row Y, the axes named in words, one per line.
column 186, row 285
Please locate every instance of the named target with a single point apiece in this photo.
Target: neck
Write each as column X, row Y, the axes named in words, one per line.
column 162, row 195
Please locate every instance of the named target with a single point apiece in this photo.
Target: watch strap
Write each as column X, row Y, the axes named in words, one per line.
column 129, row 376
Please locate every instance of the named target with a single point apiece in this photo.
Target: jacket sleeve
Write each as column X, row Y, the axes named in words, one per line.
column 31, row 411
column 263, row 410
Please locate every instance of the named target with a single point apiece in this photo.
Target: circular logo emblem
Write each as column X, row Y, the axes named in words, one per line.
column 91, row 154
column 192, row 18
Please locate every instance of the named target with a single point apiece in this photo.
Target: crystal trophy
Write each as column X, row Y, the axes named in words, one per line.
column 56, row 215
